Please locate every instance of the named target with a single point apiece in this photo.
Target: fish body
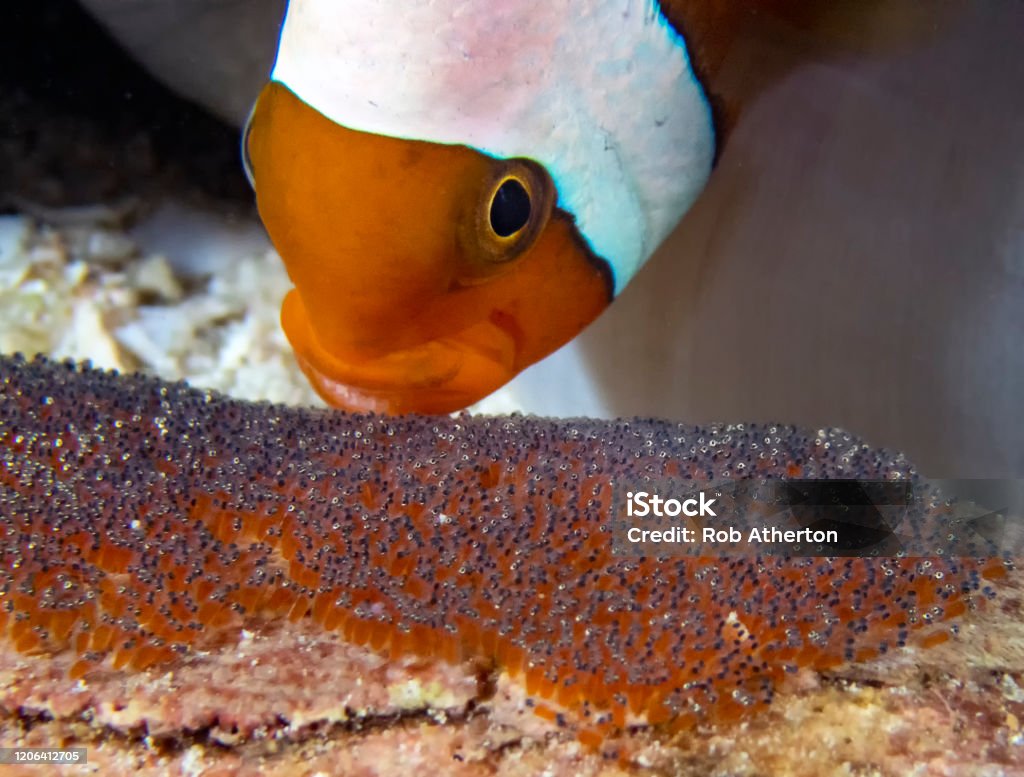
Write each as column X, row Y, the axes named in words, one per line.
column 453, row 207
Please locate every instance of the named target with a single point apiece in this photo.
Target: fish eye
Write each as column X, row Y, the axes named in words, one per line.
column 515, row 202
column 510, row 208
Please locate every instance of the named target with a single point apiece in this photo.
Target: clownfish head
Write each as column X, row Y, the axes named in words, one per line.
column 458, row 187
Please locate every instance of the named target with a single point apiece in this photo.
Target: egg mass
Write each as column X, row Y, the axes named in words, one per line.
column 142, row 520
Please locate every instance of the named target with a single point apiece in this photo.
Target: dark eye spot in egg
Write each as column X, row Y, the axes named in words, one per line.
column 510, row 208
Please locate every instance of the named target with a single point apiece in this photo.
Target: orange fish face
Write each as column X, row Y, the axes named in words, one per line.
column 426, row 275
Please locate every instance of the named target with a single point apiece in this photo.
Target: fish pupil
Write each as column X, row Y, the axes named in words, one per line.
column 510, row 208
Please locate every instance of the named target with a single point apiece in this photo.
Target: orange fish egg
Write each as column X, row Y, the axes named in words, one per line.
column 170, row 516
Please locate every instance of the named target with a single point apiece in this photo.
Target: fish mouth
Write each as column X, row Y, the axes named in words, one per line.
column 436, row 377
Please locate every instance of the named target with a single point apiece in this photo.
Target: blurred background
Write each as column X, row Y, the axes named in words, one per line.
column 857, row 259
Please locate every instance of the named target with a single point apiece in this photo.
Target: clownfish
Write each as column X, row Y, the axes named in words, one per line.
column 457, row 188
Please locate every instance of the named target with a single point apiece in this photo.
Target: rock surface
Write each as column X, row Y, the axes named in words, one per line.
column 292, row 699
